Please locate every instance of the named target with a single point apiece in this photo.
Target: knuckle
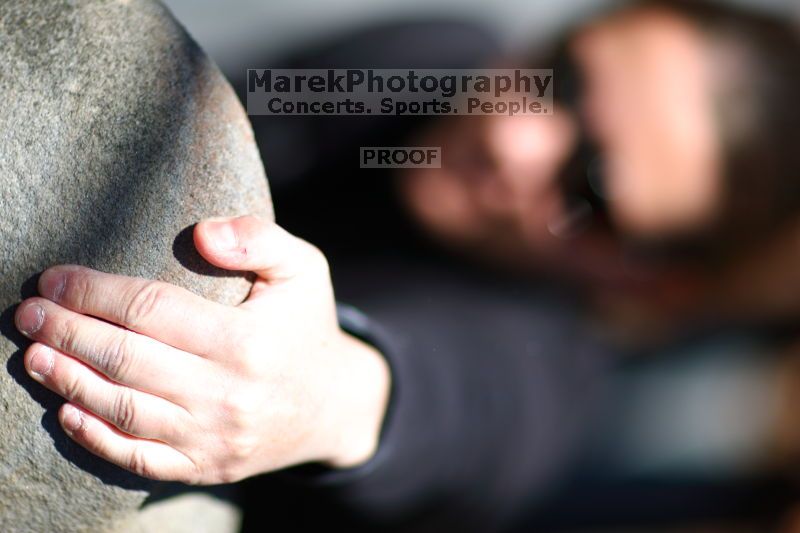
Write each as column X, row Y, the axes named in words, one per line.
column 139, row 464
column 147, row 298
column 241, row 413
column 244, row 341
column 72, row 388
column 236, row 406
column 194, row 473
column 68, row 336
column 237, row 449
column 237, row 332
column 114, row 359
column 248, row 359
column 124, row 411
column 240, row 440
column 76, row 287
column 193, row 476
column 229, row 474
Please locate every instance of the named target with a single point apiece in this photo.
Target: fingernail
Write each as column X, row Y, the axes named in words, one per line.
column 73, row 419
column 222, row 233
column 52, row 283
column 41, row 363
column 30, row 319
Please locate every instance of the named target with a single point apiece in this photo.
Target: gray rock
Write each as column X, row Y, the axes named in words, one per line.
column 117, row 134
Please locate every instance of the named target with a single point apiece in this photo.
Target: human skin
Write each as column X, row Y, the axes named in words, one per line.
column 497, row 192
column 287, row 386
column 650, row 104
column 175, row 387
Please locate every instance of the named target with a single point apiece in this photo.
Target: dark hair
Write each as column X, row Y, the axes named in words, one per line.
column 757, row 116
column 757, row 111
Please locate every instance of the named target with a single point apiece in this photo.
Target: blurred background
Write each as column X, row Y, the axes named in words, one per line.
column 240, row 32
column 662, row 231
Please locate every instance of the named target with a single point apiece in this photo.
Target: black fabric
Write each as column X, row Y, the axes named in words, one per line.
column 495, row 386
column 498, row 390
column 484, row 413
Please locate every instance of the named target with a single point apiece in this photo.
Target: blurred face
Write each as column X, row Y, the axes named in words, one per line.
column 647, row 104
column 496, row 186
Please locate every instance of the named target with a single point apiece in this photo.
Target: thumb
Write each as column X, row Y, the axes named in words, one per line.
column 253, row 244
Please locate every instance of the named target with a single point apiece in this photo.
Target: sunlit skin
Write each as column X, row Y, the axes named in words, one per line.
column 171, row 386
column 650, row 105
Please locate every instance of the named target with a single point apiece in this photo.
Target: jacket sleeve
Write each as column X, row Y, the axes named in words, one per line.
column 487, row 409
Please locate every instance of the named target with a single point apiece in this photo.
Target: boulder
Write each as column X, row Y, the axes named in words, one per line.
column 117, row 134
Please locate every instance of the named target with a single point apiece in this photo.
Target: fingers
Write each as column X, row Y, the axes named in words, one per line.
column 147, row 458
column 159, row 310
column 121, row 355
column 131, row 411
column 256, row 245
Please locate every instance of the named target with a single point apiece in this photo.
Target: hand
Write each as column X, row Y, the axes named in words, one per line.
column 175, row 387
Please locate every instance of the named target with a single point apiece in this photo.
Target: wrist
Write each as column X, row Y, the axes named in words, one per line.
column 361, row 382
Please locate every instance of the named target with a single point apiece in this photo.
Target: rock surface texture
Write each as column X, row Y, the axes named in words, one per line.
column 117, row 134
